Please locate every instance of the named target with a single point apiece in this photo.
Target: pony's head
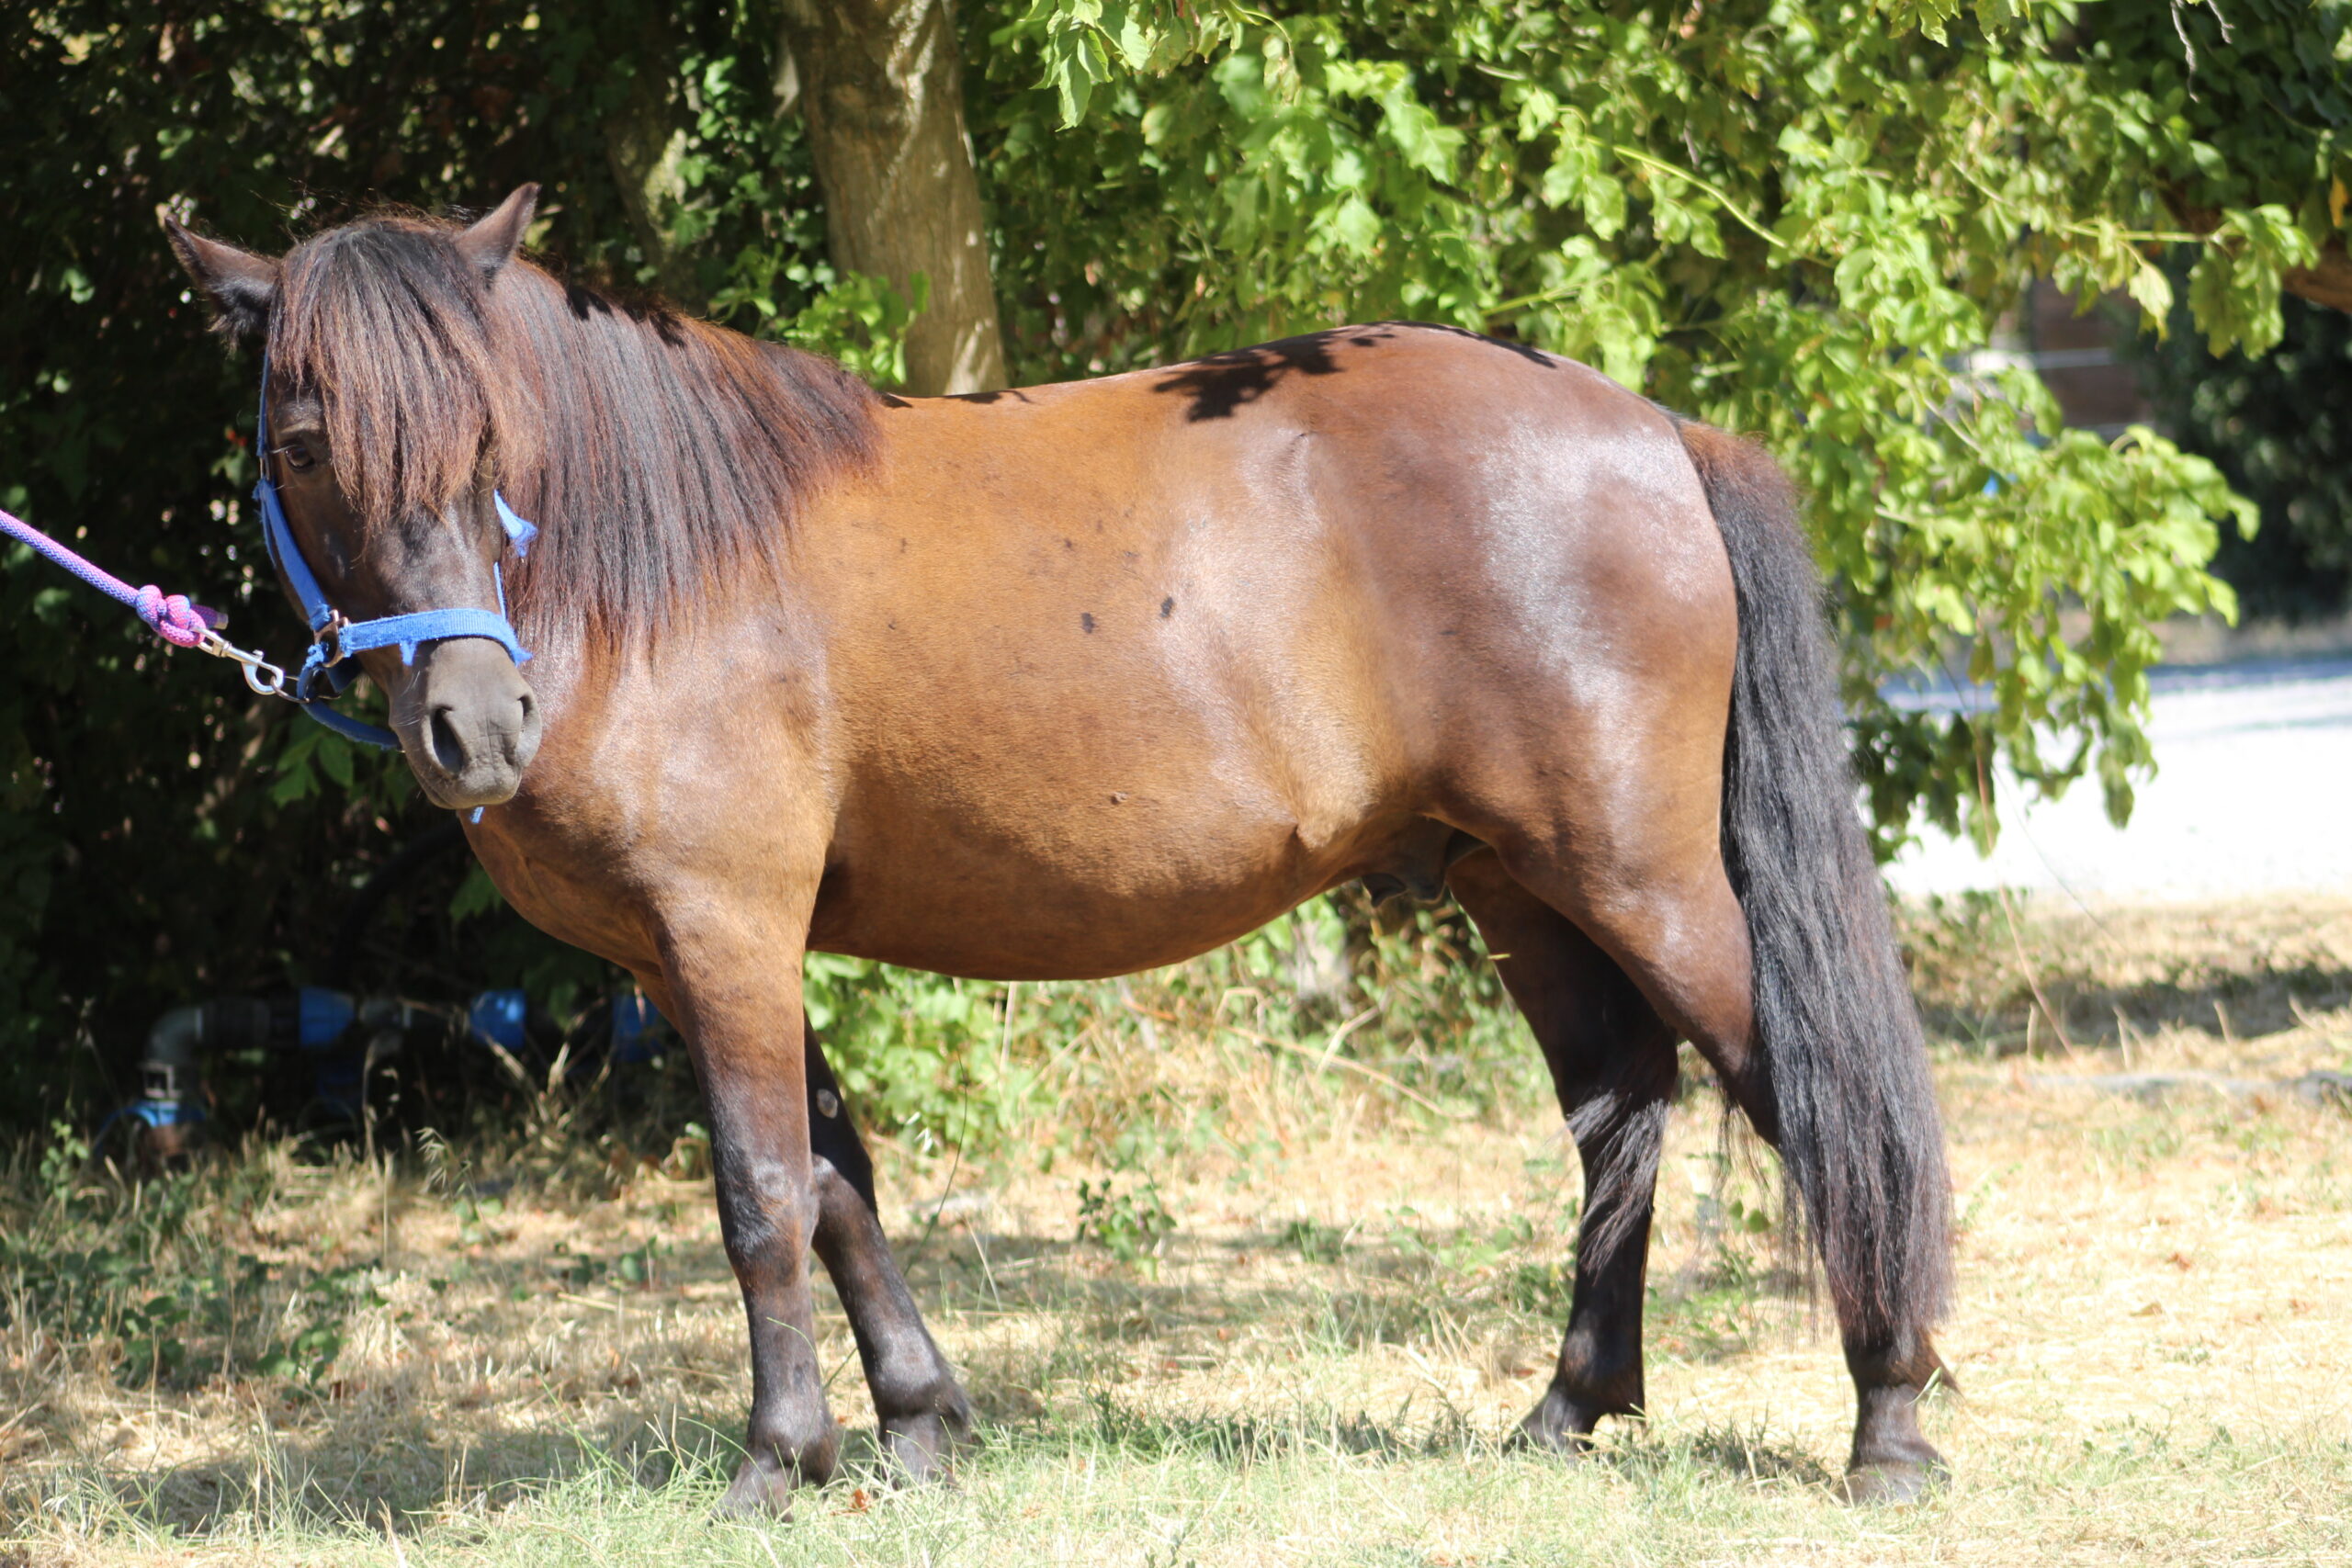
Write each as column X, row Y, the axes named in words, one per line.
column 418, row 367
column 392, row 412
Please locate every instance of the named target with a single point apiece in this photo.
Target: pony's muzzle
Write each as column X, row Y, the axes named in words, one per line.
column 473, row 726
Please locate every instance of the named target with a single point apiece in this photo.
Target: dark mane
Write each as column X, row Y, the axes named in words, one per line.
column 656, row 453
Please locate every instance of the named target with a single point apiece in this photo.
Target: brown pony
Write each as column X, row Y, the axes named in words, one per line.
column 1078, row 680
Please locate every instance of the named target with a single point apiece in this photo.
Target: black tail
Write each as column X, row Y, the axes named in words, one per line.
column 1858, row 1131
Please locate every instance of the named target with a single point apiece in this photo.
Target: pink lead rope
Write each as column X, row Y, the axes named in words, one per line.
column 170, row 616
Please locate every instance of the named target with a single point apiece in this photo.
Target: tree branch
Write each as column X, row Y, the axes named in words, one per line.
column 2328, row 283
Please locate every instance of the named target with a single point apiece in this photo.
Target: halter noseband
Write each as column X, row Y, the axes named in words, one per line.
column 334, row 639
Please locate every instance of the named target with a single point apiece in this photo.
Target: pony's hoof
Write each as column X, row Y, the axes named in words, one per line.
column 765, row 1482
column 1557, row 1426
column 759, row 1491
column 1894, row 1483
column 922, row 1447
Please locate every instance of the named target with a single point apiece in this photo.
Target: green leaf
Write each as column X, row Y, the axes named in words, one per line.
column 333, row 757
column 1356, row 225
column 477, row 894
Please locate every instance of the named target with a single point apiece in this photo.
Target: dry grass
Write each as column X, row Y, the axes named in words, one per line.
column 1359, row 1299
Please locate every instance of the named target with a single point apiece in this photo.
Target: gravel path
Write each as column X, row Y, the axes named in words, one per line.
column 2252, row 795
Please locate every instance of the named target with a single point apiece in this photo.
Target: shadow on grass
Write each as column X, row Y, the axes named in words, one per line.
column 1242, row 1441
column 2238, row 1004
column 314, row 1485
column 1436, row 1283
column 353, row 1461
column 318, row 1480
column 412, row 1480
column 1239, row 1442
column 1728, row 1451
column 1976, row 963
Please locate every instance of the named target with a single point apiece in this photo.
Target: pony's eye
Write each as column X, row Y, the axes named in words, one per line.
column 298, row 456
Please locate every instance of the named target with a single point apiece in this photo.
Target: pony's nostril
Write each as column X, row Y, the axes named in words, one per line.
column 523, row 744
column 448, row 750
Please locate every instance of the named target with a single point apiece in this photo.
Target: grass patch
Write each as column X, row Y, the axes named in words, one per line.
column 1303, row 1336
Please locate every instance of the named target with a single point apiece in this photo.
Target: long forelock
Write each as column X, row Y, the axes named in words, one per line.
column 657, row 454
column 392, row 329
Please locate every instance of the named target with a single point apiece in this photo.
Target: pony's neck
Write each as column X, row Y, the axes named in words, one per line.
column 670, row 456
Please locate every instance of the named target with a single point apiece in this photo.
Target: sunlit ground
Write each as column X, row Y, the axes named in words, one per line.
column 1319, row 1363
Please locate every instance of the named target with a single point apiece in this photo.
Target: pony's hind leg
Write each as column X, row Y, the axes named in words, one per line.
column 1612, row 1066
column 1681, row 936
column 922, row 1410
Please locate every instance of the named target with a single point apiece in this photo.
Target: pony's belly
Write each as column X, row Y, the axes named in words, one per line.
column 1013, row 948
column 1042, row 929
column 1123, row 907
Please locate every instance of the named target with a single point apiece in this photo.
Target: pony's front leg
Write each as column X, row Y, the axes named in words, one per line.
column 736, row 982
column 922, row 1409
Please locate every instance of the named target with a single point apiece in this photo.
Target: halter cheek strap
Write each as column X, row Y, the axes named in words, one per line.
column 334, row 639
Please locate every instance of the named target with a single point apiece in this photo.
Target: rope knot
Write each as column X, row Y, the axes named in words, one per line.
column 171, row 617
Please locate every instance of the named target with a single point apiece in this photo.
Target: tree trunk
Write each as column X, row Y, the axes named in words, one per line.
column 646, row 143
column 881, row 91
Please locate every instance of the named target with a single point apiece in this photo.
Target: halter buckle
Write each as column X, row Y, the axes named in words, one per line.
column 329, row 639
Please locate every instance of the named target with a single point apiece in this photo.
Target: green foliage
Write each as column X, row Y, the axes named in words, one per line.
column 1128, row 1224
column 1313, row 1242
column 1409, row 1006
column 1797, row 220
column 922, row 1056
column 635, row 1268
column 2279, row 426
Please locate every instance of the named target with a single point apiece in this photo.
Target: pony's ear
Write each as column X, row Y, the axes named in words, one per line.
column 239, row 284
column 491, row 243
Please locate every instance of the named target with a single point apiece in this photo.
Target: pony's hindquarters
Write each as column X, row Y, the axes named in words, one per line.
column 1677, row 787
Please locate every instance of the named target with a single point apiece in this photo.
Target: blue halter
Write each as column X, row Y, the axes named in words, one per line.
column 334, row 639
